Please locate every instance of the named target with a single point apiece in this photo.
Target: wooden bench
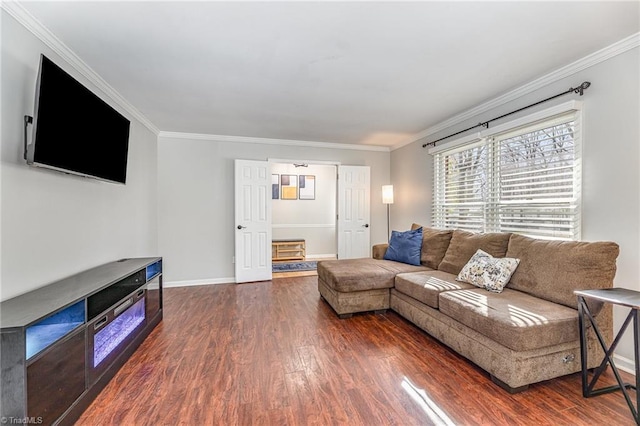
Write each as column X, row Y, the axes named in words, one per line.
column 288, row 249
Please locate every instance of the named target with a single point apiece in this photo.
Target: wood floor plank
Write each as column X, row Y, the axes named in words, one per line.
column 274, row 353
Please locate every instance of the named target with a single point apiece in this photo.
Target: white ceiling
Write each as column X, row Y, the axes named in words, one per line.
column 348, row 72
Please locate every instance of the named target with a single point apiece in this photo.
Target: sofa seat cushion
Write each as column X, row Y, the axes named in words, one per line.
column 346, row 275
column 514, row 319
column 427, row 285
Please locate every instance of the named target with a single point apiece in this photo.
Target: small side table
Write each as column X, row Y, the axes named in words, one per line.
column 616, row 296
column 288, row 249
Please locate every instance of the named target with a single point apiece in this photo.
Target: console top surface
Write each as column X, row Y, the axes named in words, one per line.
column 23, row 310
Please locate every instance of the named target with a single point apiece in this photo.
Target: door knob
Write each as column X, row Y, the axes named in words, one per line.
column 241, row 227
column 366, row 225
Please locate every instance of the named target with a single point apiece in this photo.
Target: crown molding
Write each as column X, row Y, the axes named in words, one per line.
column 42, row 33
column 20, row 14
column 268, row 141
column 595, row 58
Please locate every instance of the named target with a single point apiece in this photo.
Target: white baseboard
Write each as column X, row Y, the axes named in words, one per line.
column 302, row 225
column 321, row 256
column 188, row 283
column 624, row 364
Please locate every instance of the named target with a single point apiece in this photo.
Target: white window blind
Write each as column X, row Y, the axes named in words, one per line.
column 461, row 188
column 525, row 180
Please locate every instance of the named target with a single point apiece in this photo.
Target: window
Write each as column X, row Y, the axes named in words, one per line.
column 523, row 178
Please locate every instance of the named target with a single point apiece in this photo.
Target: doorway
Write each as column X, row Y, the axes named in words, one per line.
column 304, row 208
column 324, row 204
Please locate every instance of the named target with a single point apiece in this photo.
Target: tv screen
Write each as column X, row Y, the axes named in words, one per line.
column 74, row 130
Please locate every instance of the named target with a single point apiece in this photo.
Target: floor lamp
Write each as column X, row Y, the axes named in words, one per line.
column 387, row 198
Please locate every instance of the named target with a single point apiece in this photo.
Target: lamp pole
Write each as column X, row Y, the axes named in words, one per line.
column 387, row 198
column 388, row 222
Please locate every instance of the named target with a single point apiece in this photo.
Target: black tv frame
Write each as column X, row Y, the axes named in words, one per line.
column 30, row 149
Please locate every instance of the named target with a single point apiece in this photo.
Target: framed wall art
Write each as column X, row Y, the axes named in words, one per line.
column 275, row 186
column 289, row 187
column 307, row 187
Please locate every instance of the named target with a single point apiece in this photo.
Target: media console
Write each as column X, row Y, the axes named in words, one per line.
column 62, row 343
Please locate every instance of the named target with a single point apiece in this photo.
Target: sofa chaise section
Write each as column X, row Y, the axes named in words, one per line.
column 359, row 285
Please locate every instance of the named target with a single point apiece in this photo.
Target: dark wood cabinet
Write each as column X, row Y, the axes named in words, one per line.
column 57, row 378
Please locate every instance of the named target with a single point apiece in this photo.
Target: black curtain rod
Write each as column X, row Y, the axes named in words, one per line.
column 580, row 89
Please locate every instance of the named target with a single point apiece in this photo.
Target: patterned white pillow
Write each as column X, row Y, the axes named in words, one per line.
column 486, row 271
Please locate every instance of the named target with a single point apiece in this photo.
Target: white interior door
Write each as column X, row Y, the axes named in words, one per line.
column 252, row 220
column 354, row 186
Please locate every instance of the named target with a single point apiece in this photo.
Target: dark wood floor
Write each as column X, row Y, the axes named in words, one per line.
column 274, row 353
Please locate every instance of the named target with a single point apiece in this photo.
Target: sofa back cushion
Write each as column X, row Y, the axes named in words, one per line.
column 552, row 270
column 434, row 245
column 464, row 244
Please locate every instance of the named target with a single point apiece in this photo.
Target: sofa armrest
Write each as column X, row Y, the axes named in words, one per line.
column 379, row 250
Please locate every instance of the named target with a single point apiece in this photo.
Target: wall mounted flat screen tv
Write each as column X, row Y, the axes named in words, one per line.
column 74, row 131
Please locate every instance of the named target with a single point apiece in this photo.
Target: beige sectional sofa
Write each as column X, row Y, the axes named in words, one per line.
column 526, row 334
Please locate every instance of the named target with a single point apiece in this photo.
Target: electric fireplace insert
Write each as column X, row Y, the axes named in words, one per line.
column 114, row 329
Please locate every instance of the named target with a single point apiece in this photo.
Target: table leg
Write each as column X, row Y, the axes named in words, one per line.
column 583, row 347
column 636, row 341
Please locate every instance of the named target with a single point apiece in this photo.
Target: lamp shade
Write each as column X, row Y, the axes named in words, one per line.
column 387, row 194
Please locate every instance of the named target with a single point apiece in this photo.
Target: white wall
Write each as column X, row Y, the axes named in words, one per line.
column 312, row 220
column 195, row 199
column 54, row 225
column 611, row 164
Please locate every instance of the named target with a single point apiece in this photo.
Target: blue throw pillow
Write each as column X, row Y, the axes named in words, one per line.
column 405, row 247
